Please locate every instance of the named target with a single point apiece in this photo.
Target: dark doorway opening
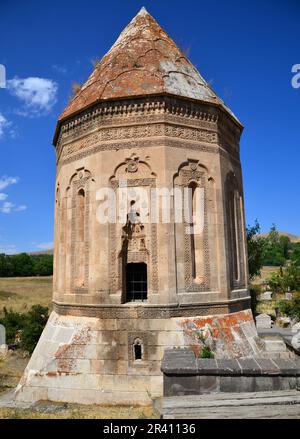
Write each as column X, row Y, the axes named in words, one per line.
column 136, row 282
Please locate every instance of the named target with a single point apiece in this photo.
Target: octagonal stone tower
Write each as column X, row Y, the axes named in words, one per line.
column 123, row 292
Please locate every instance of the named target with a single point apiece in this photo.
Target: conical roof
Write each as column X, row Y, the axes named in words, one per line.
column 143, row 61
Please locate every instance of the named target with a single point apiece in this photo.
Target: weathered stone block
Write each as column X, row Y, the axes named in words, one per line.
column 268, row 367
column 209, row 384
column 183, row 385
column 207, row 366
column 264, row 384
column 228, row 367
column 179, row 360
column 249, row 366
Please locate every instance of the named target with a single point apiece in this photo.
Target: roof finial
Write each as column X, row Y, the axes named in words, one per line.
column 143, row 11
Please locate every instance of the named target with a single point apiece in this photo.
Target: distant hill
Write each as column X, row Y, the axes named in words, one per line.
column 42, row 252
column 293, row 238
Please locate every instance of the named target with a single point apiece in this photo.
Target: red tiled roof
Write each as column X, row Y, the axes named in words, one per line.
column 143, row 61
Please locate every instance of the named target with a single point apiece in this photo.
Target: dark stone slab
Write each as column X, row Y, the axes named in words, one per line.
column 297, row 363
column 228, row 367
column 265, row 384
column 247, row 383
column 237, row 384
column 207, row 366
column 249, row 366
column 179, row 361
column 209, row 384
column 181, row 385
column 287, row 383
column 229, row 384
column 286, row 367
column 268, row 367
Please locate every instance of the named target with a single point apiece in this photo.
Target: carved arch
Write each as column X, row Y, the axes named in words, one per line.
column 192, row 174
column 235, row 230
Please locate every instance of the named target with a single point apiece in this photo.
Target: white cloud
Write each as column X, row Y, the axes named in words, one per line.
column 7, row 181
column 7, row 207
column 3, row 124
column 7, row 127
column 59, row 69
column 8, row 249
column 20, row 208
column 38, row 95
column 45, row 246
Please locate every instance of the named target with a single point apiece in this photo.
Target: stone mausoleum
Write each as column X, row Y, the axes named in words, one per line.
column 124, row 292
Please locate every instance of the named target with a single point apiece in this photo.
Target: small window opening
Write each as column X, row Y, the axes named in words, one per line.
column 137, row 350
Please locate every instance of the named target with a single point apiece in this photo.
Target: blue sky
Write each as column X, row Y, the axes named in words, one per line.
column 246, row 49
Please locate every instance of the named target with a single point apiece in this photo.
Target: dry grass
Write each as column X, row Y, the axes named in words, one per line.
column 11, row 370
column 20, row 293
column 265, row 274
column 47, row 410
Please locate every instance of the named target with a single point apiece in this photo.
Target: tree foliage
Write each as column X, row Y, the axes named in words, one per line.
column 23, row 265
column 277, row 248
column 285, row 279
column 256, row 245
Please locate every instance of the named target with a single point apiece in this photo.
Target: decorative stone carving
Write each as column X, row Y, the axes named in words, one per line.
column 193, row 172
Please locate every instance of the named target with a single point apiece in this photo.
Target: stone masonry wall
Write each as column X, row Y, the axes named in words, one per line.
column 89, row 360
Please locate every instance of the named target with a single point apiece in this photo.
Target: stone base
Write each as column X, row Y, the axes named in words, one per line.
column 89, row 360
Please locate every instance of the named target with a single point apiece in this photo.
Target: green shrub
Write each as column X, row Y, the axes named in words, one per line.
column 29, row 325
column 13, row 322
column 35, row 322
column 290, row 308
column 206, row 352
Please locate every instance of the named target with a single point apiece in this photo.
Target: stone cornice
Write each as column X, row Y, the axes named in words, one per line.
column 114, row 112
column 150, row 312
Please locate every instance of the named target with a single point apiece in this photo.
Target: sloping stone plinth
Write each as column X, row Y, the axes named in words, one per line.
column 89, row 360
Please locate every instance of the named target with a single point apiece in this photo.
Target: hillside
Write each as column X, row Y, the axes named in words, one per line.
column 293, row 238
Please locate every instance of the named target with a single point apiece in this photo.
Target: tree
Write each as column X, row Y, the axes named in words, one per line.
column 23, row 265
column 295, row 253
column 285, row 279
column 42, row 265
column 256, row 248
column 26, row 265
column 276, row 248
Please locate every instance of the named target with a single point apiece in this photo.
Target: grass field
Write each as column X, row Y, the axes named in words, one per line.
column 20, row 293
